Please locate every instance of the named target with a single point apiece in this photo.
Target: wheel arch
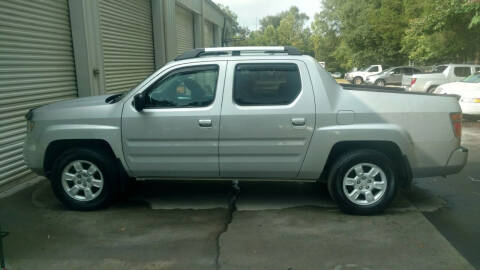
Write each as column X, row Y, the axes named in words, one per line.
column 57, row 147
column 389, row 148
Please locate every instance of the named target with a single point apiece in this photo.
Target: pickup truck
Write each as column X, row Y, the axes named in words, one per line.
column 358, row 77
column 246, row 113
column 428, row 82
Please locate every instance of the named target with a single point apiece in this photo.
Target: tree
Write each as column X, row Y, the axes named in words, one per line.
column 445, row 31
column 286, row 28
column 233, row 32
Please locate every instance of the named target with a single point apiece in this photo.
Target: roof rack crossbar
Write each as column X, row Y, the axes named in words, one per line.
column 235, row 51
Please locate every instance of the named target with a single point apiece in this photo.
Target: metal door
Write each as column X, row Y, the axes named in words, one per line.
column 265, row 141
column 127, row 43
column 36, row 68
column 174, row 142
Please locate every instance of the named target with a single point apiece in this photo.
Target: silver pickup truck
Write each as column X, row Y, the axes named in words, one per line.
column 428, row 82
column 246, row 113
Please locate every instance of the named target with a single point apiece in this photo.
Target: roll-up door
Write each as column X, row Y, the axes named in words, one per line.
column 184, row 27
column 208, row 34
column 36, row 67
column 127, row 43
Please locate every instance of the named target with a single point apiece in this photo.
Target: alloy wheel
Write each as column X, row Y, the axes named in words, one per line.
column 364, row 184
column 82, row 180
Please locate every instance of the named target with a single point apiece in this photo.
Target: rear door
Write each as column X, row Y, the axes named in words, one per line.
column 267, row 119
column 396, row 76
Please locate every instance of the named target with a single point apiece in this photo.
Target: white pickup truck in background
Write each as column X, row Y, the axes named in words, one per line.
column 428, row 82
column 358, row 77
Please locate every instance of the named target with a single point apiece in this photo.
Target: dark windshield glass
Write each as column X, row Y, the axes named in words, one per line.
column 438, row 69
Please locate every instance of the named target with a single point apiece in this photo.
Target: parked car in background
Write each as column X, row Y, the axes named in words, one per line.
column 358, row 77
column 428, row 82
column 246, row 117
column 469, row 91
column 392, row 76
column 336, row 75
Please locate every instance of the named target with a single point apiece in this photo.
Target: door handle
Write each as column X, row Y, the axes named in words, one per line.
column 298, row 121
column 205, row 122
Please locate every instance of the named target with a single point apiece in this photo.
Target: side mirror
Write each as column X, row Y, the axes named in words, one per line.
column 139, row 101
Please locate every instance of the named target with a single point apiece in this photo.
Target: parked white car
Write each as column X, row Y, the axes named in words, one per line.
column 428, row 82
column 358, row 77
column 469, row 92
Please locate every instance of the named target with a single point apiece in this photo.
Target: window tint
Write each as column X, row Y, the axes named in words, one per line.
column 373, row 69
column 397, row 71
column 185, row 87
column 266, row 84
column 416, row 71
column 462, row 71
column 477, row 69
column 438, row 69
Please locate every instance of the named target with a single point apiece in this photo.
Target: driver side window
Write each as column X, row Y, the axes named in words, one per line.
column 188, row 87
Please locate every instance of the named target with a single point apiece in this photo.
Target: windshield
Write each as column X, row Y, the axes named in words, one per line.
column 438, row 69
column 474, row 78
column 387, row 70
column 370, row 67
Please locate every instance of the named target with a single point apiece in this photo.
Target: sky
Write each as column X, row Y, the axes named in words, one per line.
column 251, row 11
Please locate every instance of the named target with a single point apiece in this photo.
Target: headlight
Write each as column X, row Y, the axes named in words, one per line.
column 470, row 100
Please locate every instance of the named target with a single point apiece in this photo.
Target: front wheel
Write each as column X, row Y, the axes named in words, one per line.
column 357, row 80
column 380, row 83
column 85, row 179
column 362, row 182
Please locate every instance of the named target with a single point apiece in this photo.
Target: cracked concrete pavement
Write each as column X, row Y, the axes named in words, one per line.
column 260, row 226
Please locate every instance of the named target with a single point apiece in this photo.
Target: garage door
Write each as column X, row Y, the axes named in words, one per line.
column 208, row 36
column 36, row 67
column 184, row 26
column 127, row 43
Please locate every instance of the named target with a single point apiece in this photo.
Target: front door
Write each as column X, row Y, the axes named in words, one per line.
column 177, row 134
column 267, row 119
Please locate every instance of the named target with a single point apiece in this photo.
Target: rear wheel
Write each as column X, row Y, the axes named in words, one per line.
column 362, row 182
column 357, row 80
column 85, row 179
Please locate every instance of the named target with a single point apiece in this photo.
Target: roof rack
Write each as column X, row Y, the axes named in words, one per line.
column 235, row 51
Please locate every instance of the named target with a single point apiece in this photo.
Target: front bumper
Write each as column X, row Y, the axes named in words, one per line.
column 32, row 155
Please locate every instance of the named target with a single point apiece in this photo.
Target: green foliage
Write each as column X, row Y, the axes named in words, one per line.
column 234, row 31
column 356, row 33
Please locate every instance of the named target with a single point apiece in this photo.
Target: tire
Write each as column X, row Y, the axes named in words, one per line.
column 380, row 83
column 357, row 80
column 344, row 167
column 102, row 179
column 431, row 89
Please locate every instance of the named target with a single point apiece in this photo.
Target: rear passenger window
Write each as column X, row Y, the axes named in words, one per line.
column 477, row 69
column 462, row 71
column 266, row 84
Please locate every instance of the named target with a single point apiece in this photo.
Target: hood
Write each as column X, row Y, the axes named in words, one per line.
column 78, row 102
column 462, row 89
column 87, row 107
